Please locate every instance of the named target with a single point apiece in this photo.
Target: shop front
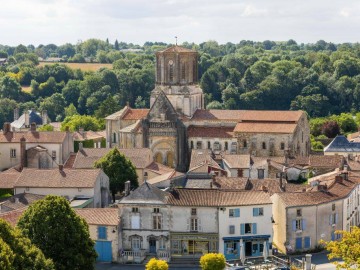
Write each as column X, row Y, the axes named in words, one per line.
column 193, row 244
column 250, row 246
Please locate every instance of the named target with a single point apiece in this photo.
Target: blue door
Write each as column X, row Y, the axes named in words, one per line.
column 104, row 251
column 152, row 245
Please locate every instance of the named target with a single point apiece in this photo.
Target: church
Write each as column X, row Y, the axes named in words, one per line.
column 177, row 120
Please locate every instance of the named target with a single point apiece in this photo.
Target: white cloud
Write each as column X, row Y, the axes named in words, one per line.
column 250, row 10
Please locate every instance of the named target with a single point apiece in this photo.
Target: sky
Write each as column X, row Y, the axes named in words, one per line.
column 137, row 21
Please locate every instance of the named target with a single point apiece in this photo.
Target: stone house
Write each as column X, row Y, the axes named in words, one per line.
column 71, row 183
column 105, row 230
column 34, row 149
column 303, row 218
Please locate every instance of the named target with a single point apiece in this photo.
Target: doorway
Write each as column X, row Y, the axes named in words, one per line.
column 152, row 245
column 248, row 249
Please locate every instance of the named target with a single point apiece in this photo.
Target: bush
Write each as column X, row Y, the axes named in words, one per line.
column 155, row 264
column 212, row 261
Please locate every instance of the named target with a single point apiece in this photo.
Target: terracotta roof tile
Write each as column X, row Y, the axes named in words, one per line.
column 12, row 217
column 34, row 137
column 8, row 178
column 331, row 161
column 210, row 132
column 176, row 48
column 100, row 216
column 89, row 135
column 248, row 115
column 247, row 127
column 135, row 114
column 54, row 178
column 237, row 161
column 159, row 168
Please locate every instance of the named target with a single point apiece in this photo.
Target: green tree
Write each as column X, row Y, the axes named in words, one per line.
column 86, row 122
column 212, row 261
column 140, row 102
column 119, row 170
column 107, row 107
column 7, row 110
column 17, row 249
column 347, row 249
column 53, row 226
column 9, row 88
column 46, row 127
column 155, row 264
column 54, row 105
column 116, row 45
column 20, row 49
column 70, row 110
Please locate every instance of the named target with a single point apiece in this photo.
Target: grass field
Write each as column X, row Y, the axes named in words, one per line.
column 26, row 88
column 82, row 66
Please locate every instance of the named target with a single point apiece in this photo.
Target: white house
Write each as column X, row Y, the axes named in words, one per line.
column 104, row 228
column 93, row 183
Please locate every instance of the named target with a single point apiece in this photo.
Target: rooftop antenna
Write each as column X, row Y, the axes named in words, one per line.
column 175, row 40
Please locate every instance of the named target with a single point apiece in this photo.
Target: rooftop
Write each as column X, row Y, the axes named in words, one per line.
column 100, row 216
column 33, row 136
column 135, row 114
column 211, row 132
column 341, row 144
column 247, row 127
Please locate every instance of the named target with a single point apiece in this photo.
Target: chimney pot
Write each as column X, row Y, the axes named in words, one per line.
column 339, row 179
column 127, row 188
column 16, row 114
column 145, row 177
column 6, row 128
column 33, row 127
column 61, row 167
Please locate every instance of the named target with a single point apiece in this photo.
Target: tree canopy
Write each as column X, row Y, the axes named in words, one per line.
column 74, row 122
column 53, row 226
column 119, row 169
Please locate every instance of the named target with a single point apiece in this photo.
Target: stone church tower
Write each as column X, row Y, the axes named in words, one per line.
column 177, row 78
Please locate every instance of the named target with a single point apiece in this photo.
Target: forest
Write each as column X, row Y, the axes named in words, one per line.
column 321, row 78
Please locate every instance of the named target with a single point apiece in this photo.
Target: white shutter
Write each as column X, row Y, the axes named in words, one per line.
column 188, row 224
column 199, row 225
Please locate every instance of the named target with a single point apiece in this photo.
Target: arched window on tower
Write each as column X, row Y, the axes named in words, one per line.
column 183, row 71
column 171, row 71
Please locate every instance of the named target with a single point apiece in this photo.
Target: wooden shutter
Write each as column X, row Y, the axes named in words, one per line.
column 294, row 225
column 303, row 225
column 254, row 228
column 237, row 212
column 242, row 228
column 199, row 225
column 307, row 242
column 188, row 224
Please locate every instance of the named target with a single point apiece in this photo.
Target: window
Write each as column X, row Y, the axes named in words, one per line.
column 231, row 229
column 192, row 145
column 298, row 213
column 114, row 137
column 135, row 210
column 307, row 242
column 162, row 243
column 102, row 232
column 282, row 146
column 217, row 146
column 333, row 207
column 157, row 224
column 183, row 71
column 156, row 210
column 194, row 224
column 53, row 155
column 226, row 146
column 258, row 211
column 13, row 153
column 198, row 145
column 193, row 211
column 264, row 145
column 234, row 212
column 171, row 71
column 298, row 243
column 209, row 145
column 135, row 222
column 333, row 218
column 135, row 243
column 230, row 247
column 298, row 225
column 261, row 173
column 248, row 228
column 244, row 143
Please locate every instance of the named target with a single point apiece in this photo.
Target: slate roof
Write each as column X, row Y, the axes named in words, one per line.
column 33, row 136
column 146, row 194
column 100, row 216
column 86, row 158
column 55, row 178
column 248, row 115
column 341, row 144
column 265, row 128
column 237, row 161
column 198, row 183
column 34, row 117
column 19, row 201
column 210, row 132
column 216, row 197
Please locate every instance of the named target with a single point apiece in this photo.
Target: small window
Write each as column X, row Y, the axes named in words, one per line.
column 258, row 211
column 231, row 229
column 53, row 155
column 135, row 210
column 198, row 145
column 114, row 137
column 217, row 146
column 194, row 225
column 244, row 143
column 261, row 173
column 226, row 146
column 299, row 225
column 209, row 145
column 282, row 146
column 193, row 211
column 162, row 244
column 234, row 212
column 136, row 243
column 183, row 71
column 192, row 145
column 264, row 145
column 298, row 213
column 157, row 222
column 333, row 207
column 13, row 153
column 248, row 227
column 171, row 71
column 102, row 232
column 156, row 210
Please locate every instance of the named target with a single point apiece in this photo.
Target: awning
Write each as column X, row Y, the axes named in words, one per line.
column 247, row 237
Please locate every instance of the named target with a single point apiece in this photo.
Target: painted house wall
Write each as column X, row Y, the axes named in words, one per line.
column 280, row 225
column 351, row 209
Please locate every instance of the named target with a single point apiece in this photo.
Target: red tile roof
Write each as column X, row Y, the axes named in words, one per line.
column 8, row 178
column 285, row 128
column 12, row 217
column 210, row 132
column 135, row 114
column 100, row 216
column 248, row 115
column 34, row 137
column 176, row 48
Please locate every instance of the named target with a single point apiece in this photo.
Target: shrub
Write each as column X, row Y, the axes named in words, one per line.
column 212, row 261
column 155, row 264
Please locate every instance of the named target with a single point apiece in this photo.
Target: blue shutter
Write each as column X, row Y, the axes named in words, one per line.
column 102, row 232
column 298, row 243
column 237, row 212
column 255, row 212
column 303, row 224
column 254, row 229
column 332, row 236
column 307, row 242
column 242, row 228
column 294, row 225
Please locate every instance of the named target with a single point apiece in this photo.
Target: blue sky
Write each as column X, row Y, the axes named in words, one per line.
column 60, row 21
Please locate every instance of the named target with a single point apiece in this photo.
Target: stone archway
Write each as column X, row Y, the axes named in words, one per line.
column 159, row 158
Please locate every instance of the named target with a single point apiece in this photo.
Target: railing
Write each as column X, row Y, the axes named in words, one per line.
column 163, row 255
column 133, row 256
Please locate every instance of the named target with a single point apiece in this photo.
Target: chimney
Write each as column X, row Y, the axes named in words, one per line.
column 27, row 118
column 145, row 177
column 33, row 127
column 281, row 182
column 22, row 152
column 81, row 146
column 322, row 187
column 127, row 188
column 61, row 167
column 6, row 128
column 44, row 117
column 16, row 114
column 81, row 131
column 338, row 179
